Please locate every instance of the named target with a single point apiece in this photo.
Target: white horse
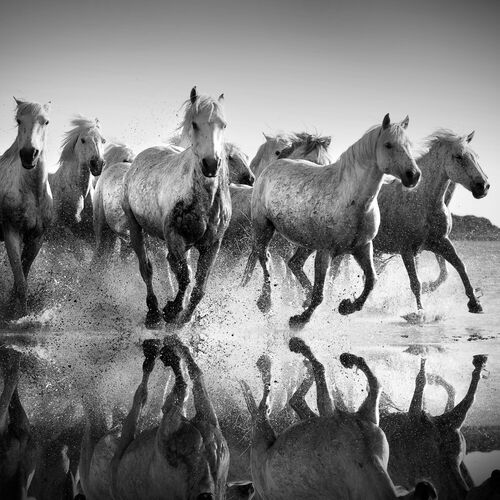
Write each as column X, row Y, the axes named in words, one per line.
column 331, row 209
column 25, row 197
column 81, row 160
column 181, row 198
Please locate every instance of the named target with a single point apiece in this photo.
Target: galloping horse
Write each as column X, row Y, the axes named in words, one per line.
column 335, row 455
column 17, row 446
column 183, row 199
column 331, row 209
column 182, row 459
column 25, row 197
column 82, row 159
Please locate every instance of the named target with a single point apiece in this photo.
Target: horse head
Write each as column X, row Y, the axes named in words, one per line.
column 239, row 171
column 32, row 120
column 393, row 152
column 89, row 146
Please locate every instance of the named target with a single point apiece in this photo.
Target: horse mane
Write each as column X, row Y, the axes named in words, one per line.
column 114, row 153
column 232, row 148
column 308, row 143
column 203, row 103
column 80, row 124
column 441, row 136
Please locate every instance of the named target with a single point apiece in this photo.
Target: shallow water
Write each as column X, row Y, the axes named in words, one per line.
column 86, row 331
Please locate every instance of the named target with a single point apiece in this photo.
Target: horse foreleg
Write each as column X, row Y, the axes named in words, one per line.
column 450, row 390
column 446, row 249
column 369, row 409
column 431, row 286
column 178, row 262
column 296, row 265
column 153, row 316
column 264, row 367
column 150, row 348
column 325, row 404
column 30, row 251
column 11, row 374
column 13, row 246
column 206, row 262
column 416, row 405
column 298, row 401
column 202, row 404
column 320, row 269
column 409, row 262
column 364, row 257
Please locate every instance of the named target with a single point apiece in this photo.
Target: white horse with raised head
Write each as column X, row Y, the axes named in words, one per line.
column 25, row 197
column 331, row 209
column 182, row 198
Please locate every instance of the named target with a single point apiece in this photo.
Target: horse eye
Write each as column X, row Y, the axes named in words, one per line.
column 277, row 153
column 230, row 157
column 195, row 126
column 83, row 140
column 388, row 145
column 47, row 122
column 459, row 157
column 103, row 140
column 18, row 121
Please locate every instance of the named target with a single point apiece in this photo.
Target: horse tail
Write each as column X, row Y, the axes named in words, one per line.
column 251, row 262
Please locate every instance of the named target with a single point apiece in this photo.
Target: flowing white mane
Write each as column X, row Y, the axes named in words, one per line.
column 80, row 124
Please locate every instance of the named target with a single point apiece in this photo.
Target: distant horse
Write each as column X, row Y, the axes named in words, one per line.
column 332, row 209
column 336, row 455
column 17, row 446
column 184, row 200
column 185, row 459
column 416, row 220
column 304, row 146
column 82, row 159
column 25, row 197
column 110, row 221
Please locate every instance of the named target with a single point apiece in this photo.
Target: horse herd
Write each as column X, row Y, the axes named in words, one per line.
column 201, row 193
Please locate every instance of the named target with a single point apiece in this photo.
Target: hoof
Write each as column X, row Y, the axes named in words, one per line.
column 297, row 322
column 264, row 304
column 170, row 312
column 264, row 364
column 153, row 318
column 348, row 360
column 151, row 348
column 168, row 356
column 347, row 306
column 474, row 306
column 183, row 318
column 479, row 360
column 297, row 345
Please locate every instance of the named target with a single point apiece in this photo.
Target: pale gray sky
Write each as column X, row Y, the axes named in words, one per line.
column 331, row 67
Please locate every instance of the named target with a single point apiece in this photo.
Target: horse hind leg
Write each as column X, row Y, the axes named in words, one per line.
column 11, row 374
column 325, row 404
column 180, row 267
column 298, row 401
column 296, row 266
column 432, row 286
column 409, row 262
column 13, row 246
column 369, row 409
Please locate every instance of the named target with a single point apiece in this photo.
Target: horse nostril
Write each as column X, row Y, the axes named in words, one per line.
column 36, row 152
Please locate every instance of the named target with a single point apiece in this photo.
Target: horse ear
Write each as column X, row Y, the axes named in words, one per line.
column 386, row 122
column 221, row 97
column 405, row 122
column 46, row 107
column 327, row 142
column 470, row 136
column 97, row 123
column 266, row 137
column 193, row 95
column 18, row 101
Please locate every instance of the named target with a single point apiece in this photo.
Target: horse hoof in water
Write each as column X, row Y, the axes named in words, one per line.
column 151, row 349
column 153, row 318
column 347, row 306
column 264, row 304
column 479, row 360
column 474, row 306
column 297, row 322
column 170, row 312
column 183, row 318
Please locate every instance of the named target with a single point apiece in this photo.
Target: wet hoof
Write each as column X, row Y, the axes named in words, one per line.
column 168, row 356
column 264, row 364
column 348, row 360
column 264, row 304
column 415, row 318
column 297, row 345
column 153, row 319
column 183, row 318
column 479, row 360
column 298, row 321
column 474, row 307
column 151, row 348
column 347, row 306
column 170, row 312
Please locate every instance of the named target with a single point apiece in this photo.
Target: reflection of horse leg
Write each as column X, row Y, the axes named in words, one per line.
column 264, row 367
column 325, row 404
column 320, row 268
column 445, row 248
column 416, row 404
column 13, row 246
column 431, row 286
column 206, row 260
column 364, row 257
column 296, row 265
column 178, row 263
column 369, row 410
column 298, row 401
column 150, row 348
column 450, row 390
column 202, row 403
column 409, row 262
column 11, row 375
column 153, row 316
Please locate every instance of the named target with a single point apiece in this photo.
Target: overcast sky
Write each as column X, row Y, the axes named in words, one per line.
column 325, row 66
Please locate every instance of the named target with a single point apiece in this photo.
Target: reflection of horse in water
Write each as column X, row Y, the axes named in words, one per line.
column 181, row 458
column 335, row 455
column 25, row 198
column 17, row 445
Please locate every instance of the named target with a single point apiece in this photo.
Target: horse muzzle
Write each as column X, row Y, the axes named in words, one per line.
column 96, row 165
column 248, row 180
column 210, row 166
column 410, row 178
column 480, row 189
column 29, row 157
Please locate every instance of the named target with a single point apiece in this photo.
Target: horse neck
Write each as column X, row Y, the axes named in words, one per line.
column 434, row 181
